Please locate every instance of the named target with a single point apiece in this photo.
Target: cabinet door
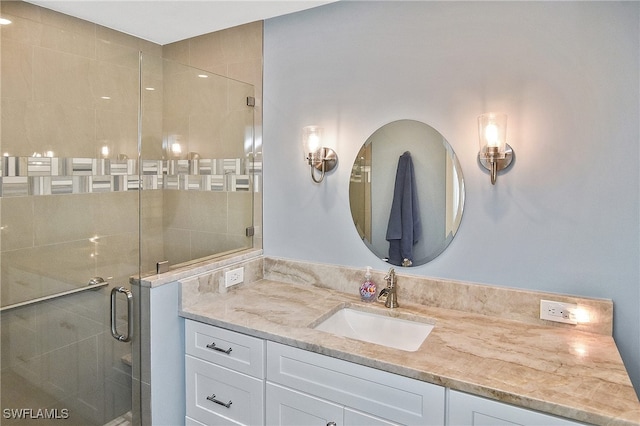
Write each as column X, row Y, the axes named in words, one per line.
column 368, row 390
column 218, row 396
column 226, row 348
column 188, row 421
column 357, row 418
column 287, row 407
column 471, row 410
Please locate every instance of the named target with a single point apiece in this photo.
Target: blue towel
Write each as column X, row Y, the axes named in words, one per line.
column 404, row 228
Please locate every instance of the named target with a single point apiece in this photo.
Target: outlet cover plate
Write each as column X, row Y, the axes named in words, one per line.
column 233, row 277
column 558, row 311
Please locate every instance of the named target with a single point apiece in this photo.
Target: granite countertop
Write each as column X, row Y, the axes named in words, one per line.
column 568, row 373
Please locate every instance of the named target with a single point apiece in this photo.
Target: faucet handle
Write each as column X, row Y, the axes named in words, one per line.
column 391, row 277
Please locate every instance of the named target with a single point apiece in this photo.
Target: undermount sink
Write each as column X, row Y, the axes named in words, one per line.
column 405, row 332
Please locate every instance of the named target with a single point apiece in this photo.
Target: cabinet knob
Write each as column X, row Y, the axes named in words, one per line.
column 331, row 424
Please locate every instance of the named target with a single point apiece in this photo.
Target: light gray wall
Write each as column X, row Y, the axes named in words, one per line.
column 564, row 219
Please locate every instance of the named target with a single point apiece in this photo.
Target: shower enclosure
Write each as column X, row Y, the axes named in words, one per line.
column 113, row 166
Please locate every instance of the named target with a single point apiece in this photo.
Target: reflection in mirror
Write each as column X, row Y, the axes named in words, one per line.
column 405, row 218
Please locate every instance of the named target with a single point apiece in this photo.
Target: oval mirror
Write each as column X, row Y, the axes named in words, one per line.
column 406, row 193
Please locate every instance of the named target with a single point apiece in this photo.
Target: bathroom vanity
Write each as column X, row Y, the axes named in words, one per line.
column 267, row 364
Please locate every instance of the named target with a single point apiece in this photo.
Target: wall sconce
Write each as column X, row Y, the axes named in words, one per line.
column 495, row 153
column 317, row 156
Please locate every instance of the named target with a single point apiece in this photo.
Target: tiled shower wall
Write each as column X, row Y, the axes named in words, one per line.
column 208, row 116
column 68, row 88
column 235, row 53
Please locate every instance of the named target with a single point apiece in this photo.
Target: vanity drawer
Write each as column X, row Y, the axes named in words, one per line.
column 389, row 396
column 226, row 348
column 217, row 395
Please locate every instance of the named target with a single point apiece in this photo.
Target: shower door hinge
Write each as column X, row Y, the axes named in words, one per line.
column 250, row 231
column 162, row 267
column 251, row 101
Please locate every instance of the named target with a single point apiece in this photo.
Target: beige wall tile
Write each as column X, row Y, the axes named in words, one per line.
column 152, row 136
column 114, row 37
column 153, row 64
column 29, row 127
column 242, row 43
column 150, row 48
column 175, row 209
column 152, row 100
column 205, row 134
column 62, row 39
column 17, row 70
column 240, row 212
column 69, row 23
column 249, row 71
column 235, row 131
column 22, row 29
column 151, row 225
column 117, row 258
column 208, row 211
column 206, row 244
column 14, row 132
column 205, row 51
column 114, row 213
column 66, row 129
column 119, row 83
column 119, row 131
column 60, row 218
column 17, row 223
column 61, row 78
column 22, row 9
column 177, row 245
column 118, row 54
column 177, row 52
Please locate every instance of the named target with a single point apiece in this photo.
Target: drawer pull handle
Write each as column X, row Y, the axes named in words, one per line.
column 215, row 348
column 212, row 398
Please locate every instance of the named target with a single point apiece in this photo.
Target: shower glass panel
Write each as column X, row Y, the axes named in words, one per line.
column 198, row 173
column 112, row 161
column 69, row 213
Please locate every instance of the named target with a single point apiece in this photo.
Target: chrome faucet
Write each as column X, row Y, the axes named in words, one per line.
column 389, row 293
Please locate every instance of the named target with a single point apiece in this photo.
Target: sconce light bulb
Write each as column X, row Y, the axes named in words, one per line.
column 314, row 142
column 491, row 135
column 176, row 149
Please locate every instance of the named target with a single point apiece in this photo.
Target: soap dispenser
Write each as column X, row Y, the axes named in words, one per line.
column 368, row 290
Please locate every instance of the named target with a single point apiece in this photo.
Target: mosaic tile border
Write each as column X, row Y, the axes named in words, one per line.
column 29, row 176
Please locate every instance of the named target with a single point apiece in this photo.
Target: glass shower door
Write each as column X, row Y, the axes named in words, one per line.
column 69, row 214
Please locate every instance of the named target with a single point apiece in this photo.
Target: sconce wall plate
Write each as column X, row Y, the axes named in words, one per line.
column 330, row 160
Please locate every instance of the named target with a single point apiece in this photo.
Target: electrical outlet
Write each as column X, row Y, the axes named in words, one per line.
column 558, row 311
column 233, row 277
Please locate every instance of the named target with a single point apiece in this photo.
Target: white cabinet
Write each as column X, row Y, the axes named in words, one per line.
column 227, row 383
column 312, row 386
column 224, row 374
column 287, row 407
column 471, row 410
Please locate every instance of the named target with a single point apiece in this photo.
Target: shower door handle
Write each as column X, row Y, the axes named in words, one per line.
column 114, row 329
